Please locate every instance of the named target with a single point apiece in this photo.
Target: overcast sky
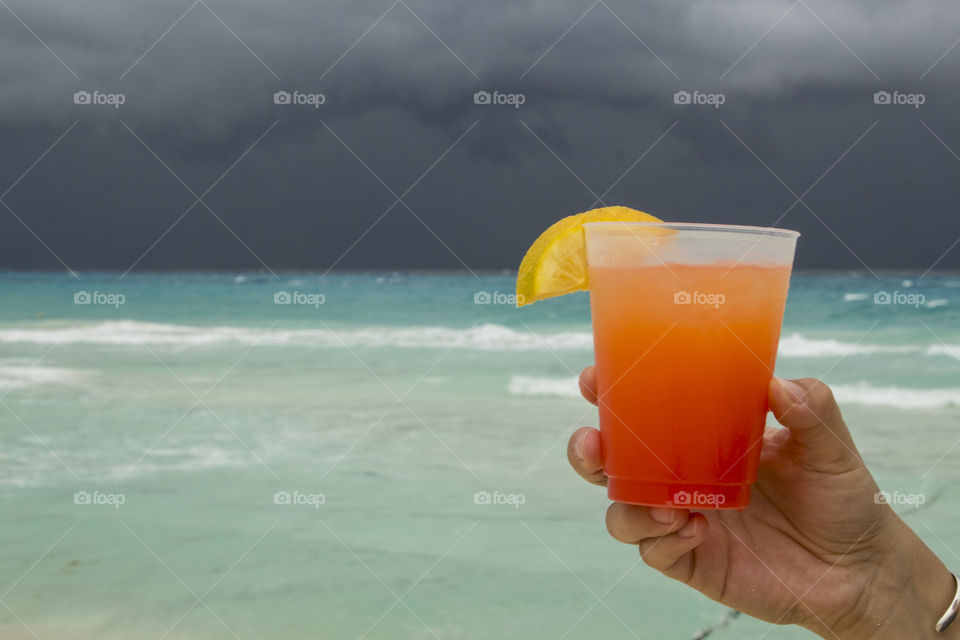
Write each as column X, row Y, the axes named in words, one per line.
column 198, row 168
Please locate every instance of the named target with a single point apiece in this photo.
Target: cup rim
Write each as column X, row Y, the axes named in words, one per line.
column 698, row 226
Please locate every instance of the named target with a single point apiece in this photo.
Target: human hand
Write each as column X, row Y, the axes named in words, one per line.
column 814, row 547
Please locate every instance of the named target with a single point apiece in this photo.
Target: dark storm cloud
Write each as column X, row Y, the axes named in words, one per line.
column 798, row 81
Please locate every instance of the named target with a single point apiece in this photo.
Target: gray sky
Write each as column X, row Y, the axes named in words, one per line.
column 290, row 186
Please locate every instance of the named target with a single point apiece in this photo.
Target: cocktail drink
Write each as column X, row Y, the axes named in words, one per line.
column 686, row 321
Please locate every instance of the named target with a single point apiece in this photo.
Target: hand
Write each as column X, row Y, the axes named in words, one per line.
column 813, row 548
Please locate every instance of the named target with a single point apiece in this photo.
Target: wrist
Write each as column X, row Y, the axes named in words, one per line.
column 905, row 595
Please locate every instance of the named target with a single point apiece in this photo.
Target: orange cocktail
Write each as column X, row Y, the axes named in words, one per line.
column 686, row 321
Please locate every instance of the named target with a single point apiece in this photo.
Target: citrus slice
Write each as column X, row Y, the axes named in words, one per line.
column 556, row 263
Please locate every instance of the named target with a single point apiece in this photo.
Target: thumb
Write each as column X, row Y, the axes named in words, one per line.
column 807, row 408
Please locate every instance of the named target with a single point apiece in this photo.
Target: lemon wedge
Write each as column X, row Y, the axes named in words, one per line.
column 556, row 263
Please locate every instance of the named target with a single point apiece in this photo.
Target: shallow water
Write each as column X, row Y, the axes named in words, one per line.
column 379, row 413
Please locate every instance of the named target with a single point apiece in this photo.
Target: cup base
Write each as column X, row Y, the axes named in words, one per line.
column 679, row 495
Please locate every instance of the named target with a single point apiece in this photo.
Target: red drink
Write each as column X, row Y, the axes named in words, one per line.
column 686, row 327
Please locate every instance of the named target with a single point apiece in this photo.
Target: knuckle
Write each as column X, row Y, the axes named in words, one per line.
column 819, row 393
column 652, row 556
column 821, row 400
column 626, row 525
column 618, row 524
column 612, row 520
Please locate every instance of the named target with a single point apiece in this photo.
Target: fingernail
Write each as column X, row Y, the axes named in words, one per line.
column 793, row 390
column 578, row 445
column 663, row 516
column 689, row 530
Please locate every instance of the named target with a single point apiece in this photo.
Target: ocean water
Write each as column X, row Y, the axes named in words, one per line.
column 193, row 460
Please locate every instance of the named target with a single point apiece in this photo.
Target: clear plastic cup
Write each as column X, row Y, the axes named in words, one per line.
column 686, row 322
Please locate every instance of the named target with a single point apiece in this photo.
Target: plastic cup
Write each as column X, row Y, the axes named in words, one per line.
column 686, row 322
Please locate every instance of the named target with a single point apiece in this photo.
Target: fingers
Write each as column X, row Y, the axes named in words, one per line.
column 670, row 554
column 588, row 384
column 631, row 524
column 664, row 536
column 807, row 407
column 583, row 452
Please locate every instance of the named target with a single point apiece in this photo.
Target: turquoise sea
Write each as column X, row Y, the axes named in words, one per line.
column 383, row 456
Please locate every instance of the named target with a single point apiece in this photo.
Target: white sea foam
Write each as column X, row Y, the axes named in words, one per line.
column 850, row 297
column 487, row 337
column 18, row 374
column 861, row 393
column 797, row 346
column 566, row 387
column 34, row 466
column 952, row 350
column 898, row 397
column 196, row 458
column 936, row 302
